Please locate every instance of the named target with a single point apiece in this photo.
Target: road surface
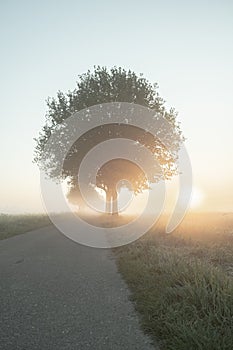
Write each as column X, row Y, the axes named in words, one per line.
column 57, row 294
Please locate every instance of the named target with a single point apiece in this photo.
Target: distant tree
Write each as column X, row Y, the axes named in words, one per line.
column 104, row 86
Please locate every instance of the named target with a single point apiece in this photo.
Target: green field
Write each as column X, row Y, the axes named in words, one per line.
column 11, row 225
column 182, row 283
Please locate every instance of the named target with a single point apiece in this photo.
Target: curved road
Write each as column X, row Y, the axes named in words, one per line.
column 57, row 294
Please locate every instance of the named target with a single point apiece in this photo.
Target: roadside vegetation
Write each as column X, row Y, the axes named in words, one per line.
column 182, row 283
column 11, row 225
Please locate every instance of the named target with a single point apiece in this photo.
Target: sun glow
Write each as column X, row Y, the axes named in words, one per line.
column 100, row 192
column 196, row 198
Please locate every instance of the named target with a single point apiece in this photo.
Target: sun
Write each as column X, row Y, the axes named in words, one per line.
column 196, row 198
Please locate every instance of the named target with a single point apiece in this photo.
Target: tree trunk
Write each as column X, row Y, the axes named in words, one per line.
column 108, row 208
column 111, row 202
column 114, row 203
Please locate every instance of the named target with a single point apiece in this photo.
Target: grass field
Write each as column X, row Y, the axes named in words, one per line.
column 11, row 225
column 182, row 283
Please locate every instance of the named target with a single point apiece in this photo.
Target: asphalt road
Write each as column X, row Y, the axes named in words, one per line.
column 57, row 294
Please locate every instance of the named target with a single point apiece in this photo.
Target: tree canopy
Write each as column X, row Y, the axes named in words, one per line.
column 103, row 86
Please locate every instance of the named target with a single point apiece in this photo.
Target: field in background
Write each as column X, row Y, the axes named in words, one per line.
column 11, row 225
column 182, row 283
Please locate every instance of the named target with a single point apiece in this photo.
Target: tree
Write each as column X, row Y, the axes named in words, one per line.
column 104, row 86
column 114, row 171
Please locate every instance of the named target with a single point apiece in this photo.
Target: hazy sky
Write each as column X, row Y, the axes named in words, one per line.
column 185, row 46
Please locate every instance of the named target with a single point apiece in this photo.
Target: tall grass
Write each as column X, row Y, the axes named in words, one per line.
column 182, row 286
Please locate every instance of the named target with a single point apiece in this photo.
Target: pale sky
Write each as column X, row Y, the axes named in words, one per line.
column 184, row 46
